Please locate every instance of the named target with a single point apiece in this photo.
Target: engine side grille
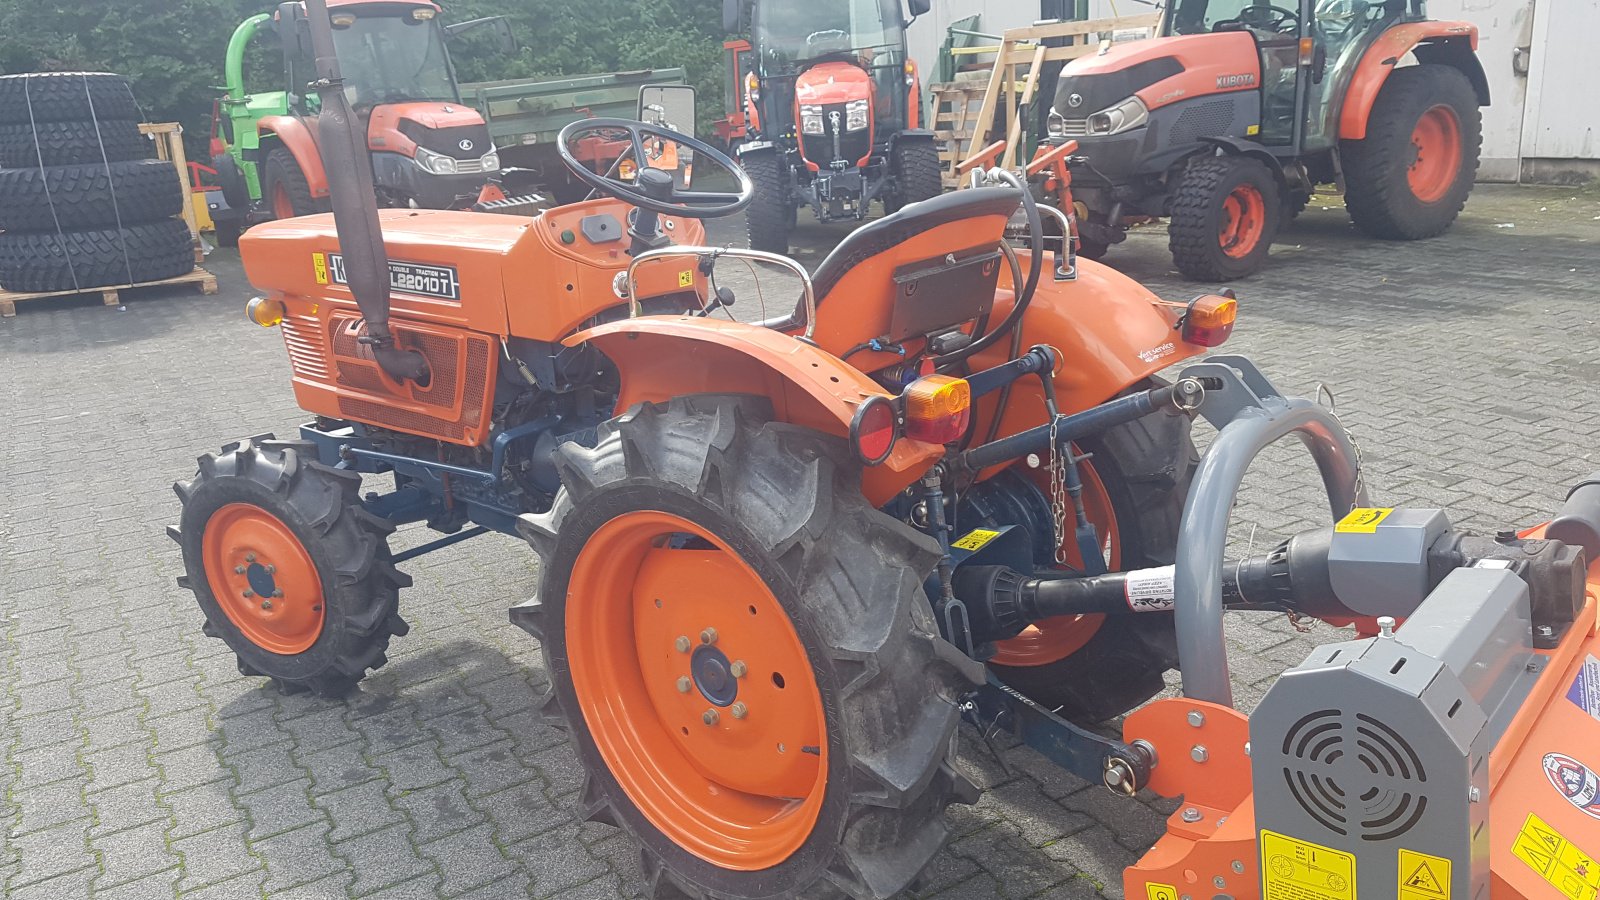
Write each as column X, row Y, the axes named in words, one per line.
column 307, row 351
column 1202, row 120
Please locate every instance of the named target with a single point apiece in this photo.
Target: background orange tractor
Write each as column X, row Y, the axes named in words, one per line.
column 1229, row 120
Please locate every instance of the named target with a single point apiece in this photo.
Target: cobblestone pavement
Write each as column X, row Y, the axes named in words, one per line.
column 137, row 763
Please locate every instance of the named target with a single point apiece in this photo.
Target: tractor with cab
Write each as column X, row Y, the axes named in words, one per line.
column 426, row 148
column 1227, row 122
column 831, row 112
column 784, row 560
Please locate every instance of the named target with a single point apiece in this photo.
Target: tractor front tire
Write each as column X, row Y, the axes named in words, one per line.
column 1409, row 177
column 805, row 747
column 917, row 174
column 286, row 189
column 1145, row 468
column 1225, row 212
column 771, row 216
column 289, row 569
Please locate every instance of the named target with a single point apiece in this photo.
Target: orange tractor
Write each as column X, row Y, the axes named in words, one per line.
column 1227, row 122
column 783, row 560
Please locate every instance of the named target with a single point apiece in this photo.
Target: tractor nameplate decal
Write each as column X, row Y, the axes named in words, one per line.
column 1243, row 79
column 975, row 539
column 1293, row 869
column 1585, row 690
column 417, row 279
column 1151, row 590
column 1575, row 781
column 1569, row 870
column 1363, row 520
column 1423, row 876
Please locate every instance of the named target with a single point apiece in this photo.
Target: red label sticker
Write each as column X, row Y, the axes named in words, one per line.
column 1575, row 781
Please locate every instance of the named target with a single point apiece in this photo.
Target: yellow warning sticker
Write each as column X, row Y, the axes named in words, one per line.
column 1423, row 876
column 1155, row 891
column 686, row 278
column 319, row 265
column 1569, row 870
column 1363, row 520
column 975, row 539
column 1294, row 869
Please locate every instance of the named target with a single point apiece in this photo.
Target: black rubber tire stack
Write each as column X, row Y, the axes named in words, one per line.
column 81, row 205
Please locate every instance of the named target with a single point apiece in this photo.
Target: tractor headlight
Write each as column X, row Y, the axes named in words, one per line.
column 1130, row 113
column 435, row 163
column 811, row 120
column 490, row 161
column 855, row 114
column 1056, row 124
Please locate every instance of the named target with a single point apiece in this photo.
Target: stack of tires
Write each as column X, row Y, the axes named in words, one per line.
column 81, row 205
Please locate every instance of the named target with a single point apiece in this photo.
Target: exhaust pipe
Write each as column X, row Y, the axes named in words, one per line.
column 342, row 143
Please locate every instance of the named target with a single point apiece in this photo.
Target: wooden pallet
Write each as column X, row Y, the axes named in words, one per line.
column 955, row 108
column 1014, row 79
column 110, row 296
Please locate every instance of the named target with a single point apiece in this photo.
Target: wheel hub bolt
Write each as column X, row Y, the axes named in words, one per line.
column 682, row 643
column 1191, row 815
column 249, row 557
column 272, row 570
column 277, row 592
column 249, row 593
column 709, row 636
column 710, row 717
column 684, row 684
column 266, row 604
column 739, row 710
column 738, row 669
column 238, row 570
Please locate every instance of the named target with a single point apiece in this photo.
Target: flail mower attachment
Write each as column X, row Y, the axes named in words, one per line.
column 1452, row 752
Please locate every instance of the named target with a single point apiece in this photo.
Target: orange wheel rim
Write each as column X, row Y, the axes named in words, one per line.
column 263, row 578
column 1055, row 639
column 1436, row 143
column 697, row 690
column 282, row 206
column 1244, row 220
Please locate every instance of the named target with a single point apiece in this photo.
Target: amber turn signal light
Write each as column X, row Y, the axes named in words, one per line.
column 1208, row 320
column 938, row 408
column 264, row 312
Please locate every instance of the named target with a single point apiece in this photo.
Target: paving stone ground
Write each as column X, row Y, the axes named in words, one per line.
column 136, row 763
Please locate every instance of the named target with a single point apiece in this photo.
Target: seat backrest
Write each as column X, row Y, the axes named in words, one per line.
column 859, row 283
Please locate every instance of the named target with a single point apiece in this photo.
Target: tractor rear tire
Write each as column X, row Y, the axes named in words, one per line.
column 1409, row 177
column 65, row 97
column 771, row 216
column 285, row 522
column 1225, row 212
column 89, row 196
column 86, row 259
column 836, row 776
column 918, row 175
column 71, row 143
column 1146, row 467
column 286, row 189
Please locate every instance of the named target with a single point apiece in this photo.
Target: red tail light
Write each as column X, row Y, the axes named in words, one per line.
column 874, row 430
column 1208, row 320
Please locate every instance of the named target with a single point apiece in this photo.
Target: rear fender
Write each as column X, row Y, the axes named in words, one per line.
column 660, row 357
column 1448, row 43
column 299, row 139
column 1111, row 334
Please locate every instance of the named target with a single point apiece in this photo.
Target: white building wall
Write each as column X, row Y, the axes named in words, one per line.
column 1544, row 117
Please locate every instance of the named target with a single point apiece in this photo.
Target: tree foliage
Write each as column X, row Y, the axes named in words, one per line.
column 172, row 50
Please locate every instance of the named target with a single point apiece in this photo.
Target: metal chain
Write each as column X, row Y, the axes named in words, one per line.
column 1058, row 494
column 1361, row 472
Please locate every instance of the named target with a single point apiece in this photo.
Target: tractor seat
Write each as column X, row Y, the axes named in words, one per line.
column 863, row 266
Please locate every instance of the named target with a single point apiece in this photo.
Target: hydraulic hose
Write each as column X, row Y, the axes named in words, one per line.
column 1030, row 208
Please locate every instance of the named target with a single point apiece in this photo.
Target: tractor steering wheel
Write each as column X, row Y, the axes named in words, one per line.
column 657, row 192
column 1267, row 18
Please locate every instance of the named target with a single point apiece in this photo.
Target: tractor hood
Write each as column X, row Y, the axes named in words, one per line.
column 832, row 82
column 1159, row 71
column 450, row 129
